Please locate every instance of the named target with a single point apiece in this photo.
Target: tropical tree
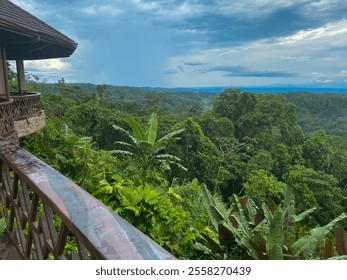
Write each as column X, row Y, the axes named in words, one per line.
column 146, row 152
column 318, row 189
column 317, row 151
column 199, row 154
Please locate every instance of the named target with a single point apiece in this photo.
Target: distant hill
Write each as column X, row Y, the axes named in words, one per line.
column 321, row 111
column 317, row 108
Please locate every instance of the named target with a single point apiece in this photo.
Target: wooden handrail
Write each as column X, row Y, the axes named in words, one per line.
column 43, row 209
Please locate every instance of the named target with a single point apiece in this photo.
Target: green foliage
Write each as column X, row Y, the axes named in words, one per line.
column 317, row 189
column 339, row 159
column 268, row 232
column 267, row 118
column 311, row 244
column 247, row 144
column 146, row 152
column 217, row 129
column 321, row 111
column 198, row 153
column 259, row 186
column 159, row 213
column 317, row 151
column 72, row 155
column 2, row 226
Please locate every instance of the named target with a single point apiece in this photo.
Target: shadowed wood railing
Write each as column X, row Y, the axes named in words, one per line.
column 26, row 106
column 7, row 127
column 50, row 217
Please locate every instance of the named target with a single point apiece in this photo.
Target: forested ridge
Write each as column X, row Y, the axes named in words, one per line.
column 234, row 175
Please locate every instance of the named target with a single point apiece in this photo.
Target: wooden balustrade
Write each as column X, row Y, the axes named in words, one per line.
column 50, row 217
column 7, row 127
column 26, row 106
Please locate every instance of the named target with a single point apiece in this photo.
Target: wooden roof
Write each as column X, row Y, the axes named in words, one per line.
column 26, row 37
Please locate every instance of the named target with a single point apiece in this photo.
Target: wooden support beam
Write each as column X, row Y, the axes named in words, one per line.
column 4, row 89
column 21, row 76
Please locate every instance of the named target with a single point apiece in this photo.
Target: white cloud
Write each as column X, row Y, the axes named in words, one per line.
column 324, row 81
column 254, row 8
column 47, row 65
column 324, row 5
column 102, row 10
column 333, row 34
column 167, row 10
column 302, row 53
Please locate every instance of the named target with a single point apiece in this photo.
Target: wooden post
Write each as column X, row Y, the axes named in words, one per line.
column 21, row 77
column 4, row 90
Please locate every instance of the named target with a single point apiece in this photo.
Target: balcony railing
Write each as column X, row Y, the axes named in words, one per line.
column 50, row 217
column 7, row 127
column 26, row 106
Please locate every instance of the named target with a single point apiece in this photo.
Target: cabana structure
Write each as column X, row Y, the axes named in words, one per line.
column 42, row 209
column 24, row 37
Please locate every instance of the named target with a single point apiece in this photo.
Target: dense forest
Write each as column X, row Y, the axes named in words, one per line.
column 230, row 175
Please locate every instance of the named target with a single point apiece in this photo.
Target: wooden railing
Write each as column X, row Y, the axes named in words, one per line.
column 50, row 217
column 7, row 128
column 26, row 106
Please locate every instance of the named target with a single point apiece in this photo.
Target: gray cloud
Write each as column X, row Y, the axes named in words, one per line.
column 240, row 71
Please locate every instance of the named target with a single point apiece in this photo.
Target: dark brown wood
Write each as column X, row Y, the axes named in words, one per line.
column 26, row 37
column 43, row 209
column 7, row 128
column 26, row 106
column 21, row 76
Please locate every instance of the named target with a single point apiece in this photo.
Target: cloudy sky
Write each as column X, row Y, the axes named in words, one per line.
column 196, row 43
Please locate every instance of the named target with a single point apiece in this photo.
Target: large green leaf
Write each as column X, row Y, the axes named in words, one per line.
column 2, row 226
column 275, row 238
column 138, row 132
column 276, row 253
column 238, row 214
column 152, row 128
column 303, row 215
column 289, row 205
column 310, row 242
column 172, row 160
column 150, row 195
column 160, row 144
column 130, row 196
column 126, row 133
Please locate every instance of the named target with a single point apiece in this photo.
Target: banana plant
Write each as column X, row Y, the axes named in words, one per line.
column 2, row 221
column 143, row 147
column 2, row 226
column 268, row 232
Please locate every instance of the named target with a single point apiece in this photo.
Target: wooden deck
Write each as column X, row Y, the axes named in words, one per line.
column 8, row 250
